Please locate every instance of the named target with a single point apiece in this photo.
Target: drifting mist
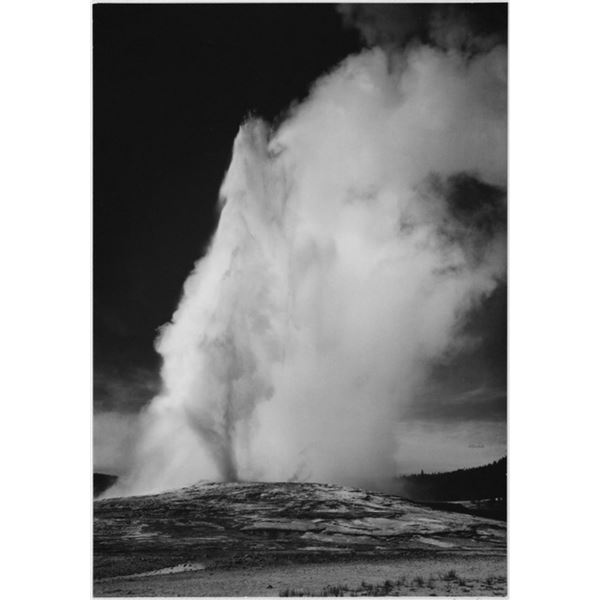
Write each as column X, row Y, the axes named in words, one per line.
column 354, row 239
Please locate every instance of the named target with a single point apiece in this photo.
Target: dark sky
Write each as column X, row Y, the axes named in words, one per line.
column 172, row 84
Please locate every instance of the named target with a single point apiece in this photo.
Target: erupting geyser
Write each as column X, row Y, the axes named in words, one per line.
column 344, row 262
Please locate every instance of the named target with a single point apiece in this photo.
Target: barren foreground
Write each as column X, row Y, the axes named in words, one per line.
column 260, row 539
column 441, row 576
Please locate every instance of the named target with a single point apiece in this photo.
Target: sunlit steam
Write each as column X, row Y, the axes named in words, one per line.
column 340, row 270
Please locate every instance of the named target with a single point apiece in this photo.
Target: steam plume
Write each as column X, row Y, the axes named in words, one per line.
column 345, row 261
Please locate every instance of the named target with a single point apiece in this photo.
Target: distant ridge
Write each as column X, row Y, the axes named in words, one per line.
column 102, row 482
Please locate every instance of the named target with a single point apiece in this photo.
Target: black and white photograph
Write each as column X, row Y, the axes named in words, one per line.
column 300, row 281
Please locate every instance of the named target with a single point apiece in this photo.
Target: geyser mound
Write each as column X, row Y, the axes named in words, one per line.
column 344, row 263
column 253, row 524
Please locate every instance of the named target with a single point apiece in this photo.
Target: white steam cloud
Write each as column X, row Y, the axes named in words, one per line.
column 337, row 274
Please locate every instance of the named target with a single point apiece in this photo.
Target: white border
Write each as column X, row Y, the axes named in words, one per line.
column 46, row 255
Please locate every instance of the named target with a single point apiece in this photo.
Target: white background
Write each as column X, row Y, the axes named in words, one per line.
column 45, row 299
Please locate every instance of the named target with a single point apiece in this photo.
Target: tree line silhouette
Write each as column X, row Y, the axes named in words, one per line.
column 477, row 483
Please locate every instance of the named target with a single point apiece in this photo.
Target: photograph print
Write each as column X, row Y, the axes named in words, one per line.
column 300, row 299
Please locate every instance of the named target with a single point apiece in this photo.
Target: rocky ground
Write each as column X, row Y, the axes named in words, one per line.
column 300, row 539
